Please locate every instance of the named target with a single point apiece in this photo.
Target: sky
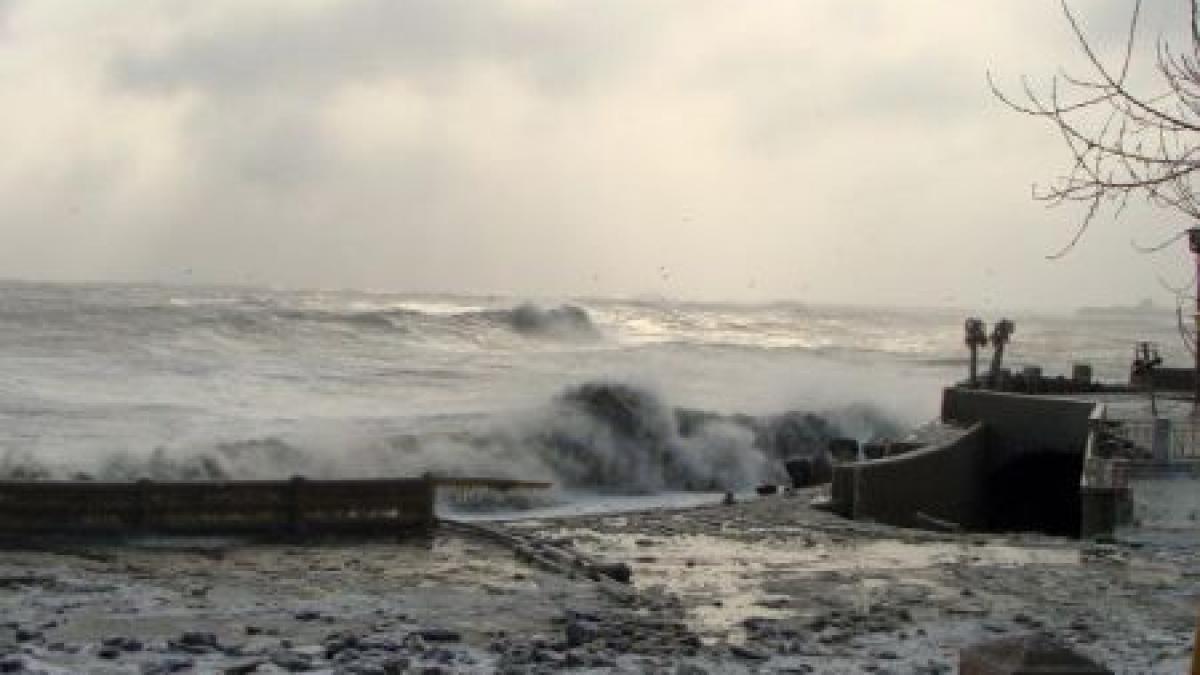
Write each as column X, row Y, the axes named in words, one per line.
column 813, row 151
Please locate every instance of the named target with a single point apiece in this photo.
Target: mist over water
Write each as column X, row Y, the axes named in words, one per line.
column 120, row 382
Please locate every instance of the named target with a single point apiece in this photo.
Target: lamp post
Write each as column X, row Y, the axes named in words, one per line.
column 1194, row 246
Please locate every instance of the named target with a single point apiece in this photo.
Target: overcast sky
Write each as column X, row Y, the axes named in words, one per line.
column 816, row 150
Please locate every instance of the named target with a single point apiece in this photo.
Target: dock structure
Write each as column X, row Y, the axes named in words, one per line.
column 294, row 507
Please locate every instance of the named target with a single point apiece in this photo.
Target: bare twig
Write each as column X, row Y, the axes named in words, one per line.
column 1122, row 144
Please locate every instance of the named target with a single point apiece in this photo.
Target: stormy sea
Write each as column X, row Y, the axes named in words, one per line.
column 117, row 382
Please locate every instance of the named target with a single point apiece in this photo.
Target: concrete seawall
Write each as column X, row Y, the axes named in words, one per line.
column 942, row 482
column 1016, row 466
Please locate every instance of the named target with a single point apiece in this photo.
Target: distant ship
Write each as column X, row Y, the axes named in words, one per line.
column 1146, row 309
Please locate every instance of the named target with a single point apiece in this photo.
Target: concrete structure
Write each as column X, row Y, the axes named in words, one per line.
column 941, row 483
column 286, row 507
column 1165, row 379
column 1015, row 466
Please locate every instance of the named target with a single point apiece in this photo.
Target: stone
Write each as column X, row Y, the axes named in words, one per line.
column 198, row 639
column 580, row 632
column 293, row 662
column 397, row 666
column 576, row 659
column 169, row 665
column 242, row 668
column 438, row 635
column 616, row 571
column 747, row 653
column 1025, row 655
column 109, row 652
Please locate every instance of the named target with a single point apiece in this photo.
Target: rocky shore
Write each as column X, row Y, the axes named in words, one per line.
column 768, row 585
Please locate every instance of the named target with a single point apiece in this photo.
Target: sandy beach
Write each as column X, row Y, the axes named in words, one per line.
column 766, row 585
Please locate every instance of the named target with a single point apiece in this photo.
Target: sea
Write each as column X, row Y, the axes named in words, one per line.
column 117, row 382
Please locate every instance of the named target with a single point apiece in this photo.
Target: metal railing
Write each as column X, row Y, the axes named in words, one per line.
column 1103, row 462
column 1147, row 439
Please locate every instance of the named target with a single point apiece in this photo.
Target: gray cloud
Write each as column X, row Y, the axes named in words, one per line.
column 558, row 48
column 814, row 151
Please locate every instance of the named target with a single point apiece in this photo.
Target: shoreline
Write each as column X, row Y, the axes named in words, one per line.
column 764, row 585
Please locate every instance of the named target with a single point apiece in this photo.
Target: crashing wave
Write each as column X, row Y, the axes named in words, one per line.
column 598, row 436
column 567, row 321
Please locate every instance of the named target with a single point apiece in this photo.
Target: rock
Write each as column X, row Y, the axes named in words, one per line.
column 307, row 615
column 108, row 652
column 243, row 668
column 397, row 666
column 12, row 664
column 293, row 662
column 689, row 669
column 336, row 644
column 1027, row 655
column 27, row 635
column 198, row 639
column 616, row 571
column 604, row 661
column 809, row 471
column 747, row 653
column 581, row 631
column 173, row 664
column 438, row 635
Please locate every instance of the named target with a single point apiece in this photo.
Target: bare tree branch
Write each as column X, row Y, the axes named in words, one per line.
column 1122, row 144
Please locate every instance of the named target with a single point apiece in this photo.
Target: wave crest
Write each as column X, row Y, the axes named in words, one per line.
column 598, row 436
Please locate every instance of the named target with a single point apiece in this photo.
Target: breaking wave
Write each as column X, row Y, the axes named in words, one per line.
column 599, row 436
column 251, row 319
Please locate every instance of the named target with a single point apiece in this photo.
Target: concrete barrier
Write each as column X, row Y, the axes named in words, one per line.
column 295, row 506
column 1018, row 424
column 1017, row 466
column 937, row 483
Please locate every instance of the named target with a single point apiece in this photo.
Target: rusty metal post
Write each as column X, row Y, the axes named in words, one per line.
column 1194, row 247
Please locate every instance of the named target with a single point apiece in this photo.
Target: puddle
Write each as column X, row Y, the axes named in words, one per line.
column 723, row 582
column 582, row 504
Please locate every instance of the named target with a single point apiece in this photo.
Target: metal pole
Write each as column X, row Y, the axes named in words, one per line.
column 1194, row 245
